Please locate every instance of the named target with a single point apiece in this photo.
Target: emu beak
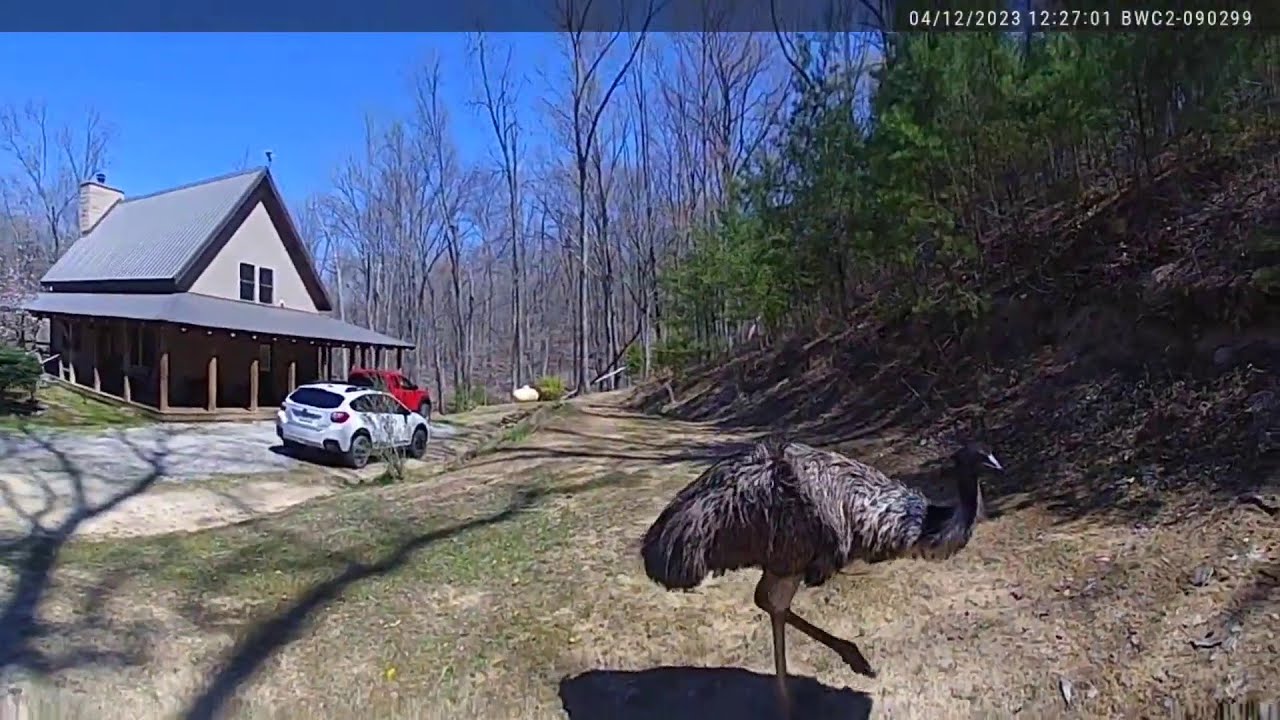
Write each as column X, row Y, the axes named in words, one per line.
column 994, row 464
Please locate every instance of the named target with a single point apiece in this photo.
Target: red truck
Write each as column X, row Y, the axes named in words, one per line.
column 396, row 383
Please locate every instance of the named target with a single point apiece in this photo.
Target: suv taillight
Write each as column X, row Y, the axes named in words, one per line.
column 339, row 417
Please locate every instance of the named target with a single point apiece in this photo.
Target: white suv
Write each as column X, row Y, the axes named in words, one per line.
column 351, row 422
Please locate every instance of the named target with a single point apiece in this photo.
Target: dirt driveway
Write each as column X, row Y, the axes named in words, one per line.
column 510, row 588
column 154, row 478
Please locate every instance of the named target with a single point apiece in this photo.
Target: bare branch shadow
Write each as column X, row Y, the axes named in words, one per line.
column 286, row 626
column 698, row 693
column 1251, row 599
column 42, row 480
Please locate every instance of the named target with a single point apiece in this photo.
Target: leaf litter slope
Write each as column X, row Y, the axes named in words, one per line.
column 479, row 593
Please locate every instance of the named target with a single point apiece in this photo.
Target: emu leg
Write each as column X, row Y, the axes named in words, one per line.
column 779, row 622
column 847, row 650
column 773, row 595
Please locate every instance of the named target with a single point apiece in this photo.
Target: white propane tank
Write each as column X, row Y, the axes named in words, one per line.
column 525, row 394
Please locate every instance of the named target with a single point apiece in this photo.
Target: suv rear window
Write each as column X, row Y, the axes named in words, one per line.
column 315, row 397
column 364, row 380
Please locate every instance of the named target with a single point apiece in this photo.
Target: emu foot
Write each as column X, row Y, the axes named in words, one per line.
column 854, row 658
column 847, row 650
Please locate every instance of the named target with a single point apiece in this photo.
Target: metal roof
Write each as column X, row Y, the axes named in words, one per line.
column 210, row 312
column 154, row 237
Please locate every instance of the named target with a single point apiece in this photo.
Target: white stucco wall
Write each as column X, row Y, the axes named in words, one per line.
column 256, row 242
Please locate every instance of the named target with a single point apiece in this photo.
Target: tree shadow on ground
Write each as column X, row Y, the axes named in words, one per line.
column 284, row 627
column 31, row 553
column 699, row 693
column 1252, row 598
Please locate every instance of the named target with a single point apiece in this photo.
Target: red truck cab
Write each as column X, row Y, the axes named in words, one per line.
column 397, row 384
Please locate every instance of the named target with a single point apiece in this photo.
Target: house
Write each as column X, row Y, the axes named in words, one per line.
column 197, row 301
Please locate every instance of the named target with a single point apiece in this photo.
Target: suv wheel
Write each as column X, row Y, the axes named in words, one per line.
column 418, row 445
column 361, row 448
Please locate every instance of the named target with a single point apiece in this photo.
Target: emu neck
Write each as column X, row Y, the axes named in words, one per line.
column 970, row 494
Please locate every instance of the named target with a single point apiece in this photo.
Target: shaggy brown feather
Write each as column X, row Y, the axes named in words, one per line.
column 792, row 509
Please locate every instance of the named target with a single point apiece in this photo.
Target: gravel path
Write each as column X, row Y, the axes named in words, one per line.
column 182, row 451
column 47, row 475
column 44, row 475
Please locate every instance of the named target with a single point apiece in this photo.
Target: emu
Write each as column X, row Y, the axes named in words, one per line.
column 801, row 514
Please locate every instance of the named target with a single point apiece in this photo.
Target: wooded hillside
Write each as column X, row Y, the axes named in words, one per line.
column 1070, row 247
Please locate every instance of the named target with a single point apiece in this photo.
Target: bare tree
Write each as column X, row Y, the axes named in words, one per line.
column 587, row 104
column 51, row 161
column 452, row 184
column 538, row 259
column 499, row 101
column 605, row 173
column 243, row 162
column 20, row 269
column 41, row 166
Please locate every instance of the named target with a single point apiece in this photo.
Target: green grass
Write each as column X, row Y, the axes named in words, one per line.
column 58, row 407
column 522, row 429
column 470, row 584
column 517, row 433
column 437, row 600
column 513, row 435
column 321, row 540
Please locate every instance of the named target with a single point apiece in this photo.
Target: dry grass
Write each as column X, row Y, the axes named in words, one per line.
column 490, row 590
column 59, row 407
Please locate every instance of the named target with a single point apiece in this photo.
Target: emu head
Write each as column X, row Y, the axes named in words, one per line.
column 976, row 458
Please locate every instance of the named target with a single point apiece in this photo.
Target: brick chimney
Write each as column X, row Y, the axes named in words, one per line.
column 96, row 198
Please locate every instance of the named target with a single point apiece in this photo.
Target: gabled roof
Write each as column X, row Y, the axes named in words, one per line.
column 162, row 242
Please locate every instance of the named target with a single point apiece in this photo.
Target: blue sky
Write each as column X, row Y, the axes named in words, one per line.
column 189, row 106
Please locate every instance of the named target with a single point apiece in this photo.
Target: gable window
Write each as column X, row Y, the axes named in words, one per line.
column 247, row 277
column 266, row 285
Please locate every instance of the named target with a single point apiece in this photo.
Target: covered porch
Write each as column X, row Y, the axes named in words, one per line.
column 186, row 371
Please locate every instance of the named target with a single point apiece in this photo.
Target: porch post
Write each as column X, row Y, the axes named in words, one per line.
column 59, row 327
column 377, row 357
column 58, row 333
column 163, row 403
column 293, row 374
column 128, row 360
column 93, row 358
column 253, row 382
column 71, row 350
column 400, row 359
column 211, row 395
